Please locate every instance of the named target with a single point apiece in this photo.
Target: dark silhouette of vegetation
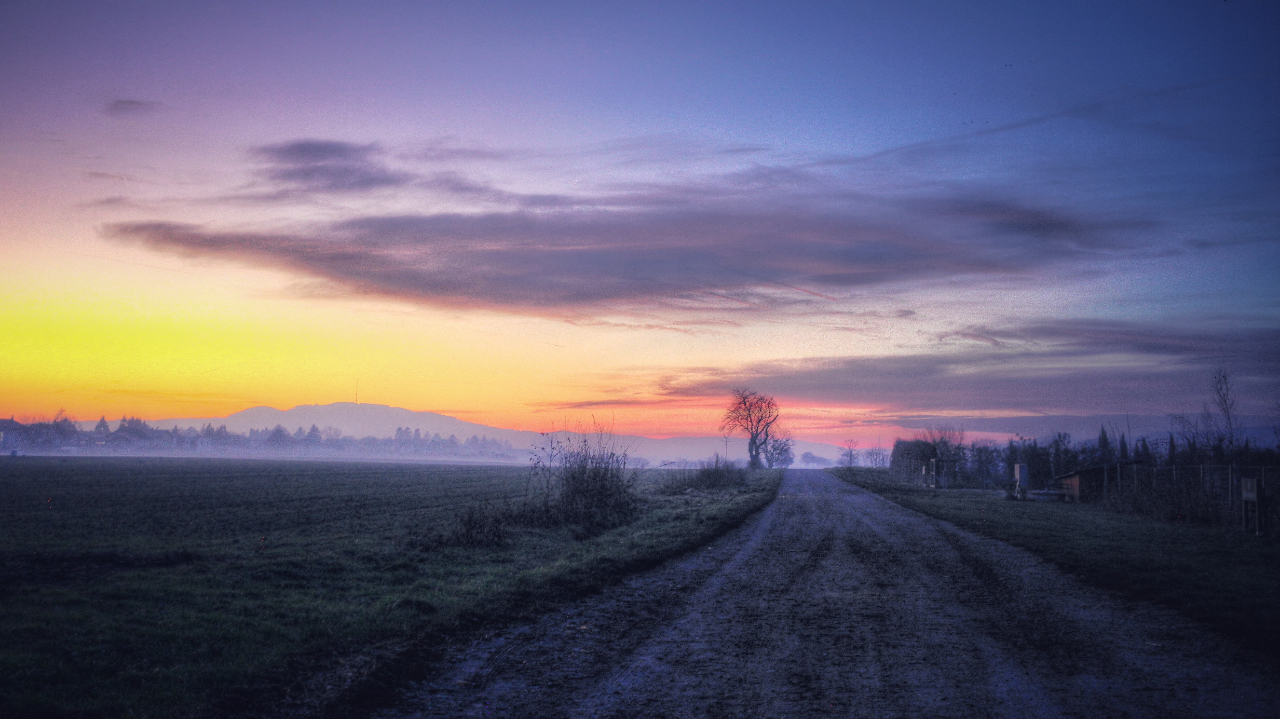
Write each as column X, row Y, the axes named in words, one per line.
column 717, row 474
column 584, row 482
column 778, row 452
column 1197, row 473
column 581, row 482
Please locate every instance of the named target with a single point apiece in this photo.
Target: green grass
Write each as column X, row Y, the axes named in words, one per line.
column 1222, row 577
column 197, row 588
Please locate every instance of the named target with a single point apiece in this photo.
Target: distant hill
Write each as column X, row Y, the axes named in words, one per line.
column 356, row 420
column 377, row 420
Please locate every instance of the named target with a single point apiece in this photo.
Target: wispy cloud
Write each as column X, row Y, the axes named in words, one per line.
column 130, row 108
column 448, row 149
column 115, row 201
column 325, row 166
column 459, row 185
column 1121, row 109
column 110, row 176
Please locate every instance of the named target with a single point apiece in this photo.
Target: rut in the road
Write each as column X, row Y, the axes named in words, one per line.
column 833, row 601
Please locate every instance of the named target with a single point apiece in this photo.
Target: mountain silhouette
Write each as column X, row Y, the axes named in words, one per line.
column 377, row 420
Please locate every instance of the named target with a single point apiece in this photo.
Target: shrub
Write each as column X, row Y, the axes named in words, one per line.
column 582, row 482
column 719, row 473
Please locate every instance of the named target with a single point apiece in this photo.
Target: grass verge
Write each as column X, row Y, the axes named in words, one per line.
column 1221, row 577
column 200, row 588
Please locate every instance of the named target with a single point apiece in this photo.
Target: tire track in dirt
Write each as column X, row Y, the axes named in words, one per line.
column 835, row 602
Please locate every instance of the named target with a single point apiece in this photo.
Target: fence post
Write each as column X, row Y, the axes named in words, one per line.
column 1244, row 513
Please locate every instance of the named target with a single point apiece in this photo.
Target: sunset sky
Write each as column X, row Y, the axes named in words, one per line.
column 887, row 214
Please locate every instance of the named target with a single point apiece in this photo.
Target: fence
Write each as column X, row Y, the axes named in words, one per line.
column 1225, row 495
column 1203, row 494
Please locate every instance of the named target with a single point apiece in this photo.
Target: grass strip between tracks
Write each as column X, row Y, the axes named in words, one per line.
column 1221, row 577
column 202, row 588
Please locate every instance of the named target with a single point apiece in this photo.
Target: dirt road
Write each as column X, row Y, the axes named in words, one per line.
column 834, row 602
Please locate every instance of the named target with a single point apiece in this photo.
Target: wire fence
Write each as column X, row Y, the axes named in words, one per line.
column 945, row 474
column 1202, row 494
column 1225, row 495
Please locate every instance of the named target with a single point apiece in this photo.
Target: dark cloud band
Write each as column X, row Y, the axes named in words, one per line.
column 1067, row 367
column 585, row 259
column 325, row 166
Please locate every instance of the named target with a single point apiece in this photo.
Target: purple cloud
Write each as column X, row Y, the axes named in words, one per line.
column 325, row 166
column 1063, row 367
column 592, row 257
column 128, row 108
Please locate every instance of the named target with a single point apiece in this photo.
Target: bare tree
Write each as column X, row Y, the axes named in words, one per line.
column 849, row 456
column 1225, row 402
column 1213, row 426
column 754, row 414
column 877, row 456
column 945, row 438
column 777, row 452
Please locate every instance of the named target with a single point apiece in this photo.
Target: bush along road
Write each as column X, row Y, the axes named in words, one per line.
column 836, row 602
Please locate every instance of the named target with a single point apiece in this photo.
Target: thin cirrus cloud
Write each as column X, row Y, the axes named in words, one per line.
column 446, row 150
column 1067, row 366
column 648, row 149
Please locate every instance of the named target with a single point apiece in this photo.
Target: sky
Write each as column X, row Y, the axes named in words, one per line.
column 888, row 215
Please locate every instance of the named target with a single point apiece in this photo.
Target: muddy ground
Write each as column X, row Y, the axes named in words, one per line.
column 835, row 602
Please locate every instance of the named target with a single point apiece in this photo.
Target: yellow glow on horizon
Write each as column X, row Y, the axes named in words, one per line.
column 99, row 329
column 96, row 355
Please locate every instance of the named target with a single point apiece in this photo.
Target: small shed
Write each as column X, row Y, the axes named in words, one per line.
column 1089, row 485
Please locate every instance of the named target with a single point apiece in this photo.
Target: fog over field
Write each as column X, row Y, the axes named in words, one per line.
column 361, row 420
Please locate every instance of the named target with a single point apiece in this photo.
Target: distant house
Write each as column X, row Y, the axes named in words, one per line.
column 11, row 432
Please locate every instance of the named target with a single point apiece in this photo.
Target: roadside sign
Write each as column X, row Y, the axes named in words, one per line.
column 1249, row 489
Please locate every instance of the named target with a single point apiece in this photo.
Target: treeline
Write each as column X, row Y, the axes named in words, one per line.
column 135, row 436
column 1214, row 437
column 942, row 453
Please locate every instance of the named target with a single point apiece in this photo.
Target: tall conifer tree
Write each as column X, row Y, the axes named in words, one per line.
column 1105, row 453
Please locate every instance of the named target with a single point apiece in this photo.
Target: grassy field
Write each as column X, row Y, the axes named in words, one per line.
column 197, row 588
column 1224, row 578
